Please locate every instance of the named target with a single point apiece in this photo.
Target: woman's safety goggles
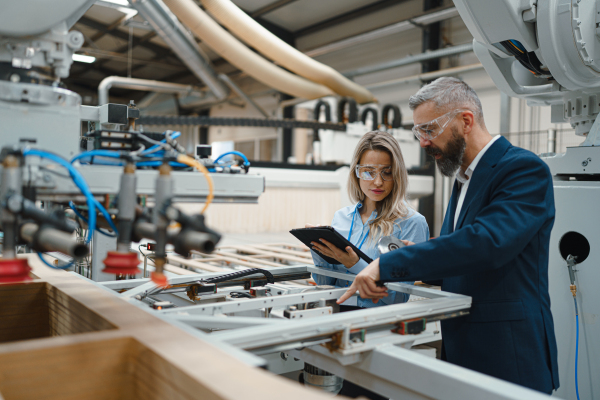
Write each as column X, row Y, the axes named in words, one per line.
column 432, row 129
column 369, row 172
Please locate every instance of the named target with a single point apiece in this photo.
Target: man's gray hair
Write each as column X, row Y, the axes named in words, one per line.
column 449, row 93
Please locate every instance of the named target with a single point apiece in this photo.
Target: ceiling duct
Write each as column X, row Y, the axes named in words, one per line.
column 182, row 43
column 255, row 35
column 231, row 49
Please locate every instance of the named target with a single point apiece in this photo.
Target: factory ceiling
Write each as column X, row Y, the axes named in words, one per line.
column 124, row 44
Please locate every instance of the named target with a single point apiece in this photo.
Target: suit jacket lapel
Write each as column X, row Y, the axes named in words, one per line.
column 480, row 175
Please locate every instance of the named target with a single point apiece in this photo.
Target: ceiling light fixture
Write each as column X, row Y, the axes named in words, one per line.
column 83, row 58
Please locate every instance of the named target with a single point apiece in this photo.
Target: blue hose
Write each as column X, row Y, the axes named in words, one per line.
column 77, row 179
column 237, row 153
column 576, row 348
column 97, row 153
column 81, row 217
column 159, row 163
column 152, row 149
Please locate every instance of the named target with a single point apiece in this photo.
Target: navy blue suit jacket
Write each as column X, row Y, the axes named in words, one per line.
column 498, row 255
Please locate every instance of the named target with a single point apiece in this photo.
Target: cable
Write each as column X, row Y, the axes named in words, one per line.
column 158, row 164
column 140, row 249
column 80, row 216
column 515, row 46
column 157, row 147
column 239, row 295
column 237, row 153
column 98, row 153
column 239, row 274
column 77, row 179
column 192, row 162
column 576, row 347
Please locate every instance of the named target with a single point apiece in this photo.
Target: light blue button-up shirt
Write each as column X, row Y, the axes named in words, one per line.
column 413, row 228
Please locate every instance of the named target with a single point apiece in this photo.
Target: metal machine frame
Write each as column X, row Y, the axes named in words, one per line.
column 360, row 346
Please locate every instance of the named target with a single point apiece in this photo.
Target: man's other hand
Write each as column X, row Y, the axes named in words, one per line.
column 366, row 285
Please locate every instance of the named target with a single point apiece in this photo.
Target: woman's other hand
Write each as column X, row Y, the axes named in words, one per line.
column 347, row 257
column 407, row 242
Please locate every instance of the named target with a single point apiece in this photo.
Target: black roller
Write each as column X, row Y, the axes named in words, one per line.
column 352, row 110
column 397, row 118
column 374, row 116
column 575, row 244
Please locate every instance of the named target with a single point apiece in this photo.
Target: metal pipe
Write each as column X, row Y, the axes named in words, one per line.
column 430, row 55
column 50, row 239
column 243, row 95
column 168, row 27
column 185, row 241
column 11, row 183
column 145, row 85
column 127, row 203
column 397, row 27
column 427, row 76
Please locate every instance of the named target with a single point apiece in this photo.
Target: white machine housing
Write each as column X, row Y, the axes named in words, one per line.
column 565, row 37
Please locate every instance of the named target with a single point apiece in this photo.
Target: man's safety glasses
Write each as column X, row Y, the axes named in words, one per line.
column 432, row 129
column 369, row 172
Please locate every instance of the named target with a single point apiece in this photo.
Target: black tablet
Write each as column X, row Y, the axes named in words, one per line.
column 307, row 235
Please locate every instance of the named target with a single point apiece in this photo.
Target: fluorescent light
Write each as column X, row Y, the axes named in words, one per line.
column 83, row 58
column 119, row 2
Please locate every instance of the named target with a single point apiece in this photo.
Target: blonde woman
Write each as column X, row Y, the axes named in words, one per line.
column 377, row 185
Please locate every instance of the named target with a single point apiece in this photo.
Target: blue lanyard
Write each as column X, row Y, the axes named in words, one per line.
column 352, row 226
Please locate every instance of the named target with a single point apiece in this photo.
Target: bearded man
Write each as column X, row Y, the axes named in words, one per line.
column 493, row 244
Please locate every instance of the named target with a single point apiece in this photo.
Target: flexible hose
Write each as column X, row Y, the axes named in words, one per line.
column 77, row 179
column 576, row 347
column 231, row 49
column 182, row 158
column 235, row 153
column 84, row 219
column 239, row 274
column 254, row 34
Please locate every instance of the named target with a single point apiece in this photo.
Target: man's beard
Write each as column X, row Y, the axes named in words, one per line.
column 452, row 157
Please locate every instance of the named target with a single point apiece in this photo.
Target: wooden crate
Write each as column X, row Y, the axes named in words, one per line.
column 37, row 309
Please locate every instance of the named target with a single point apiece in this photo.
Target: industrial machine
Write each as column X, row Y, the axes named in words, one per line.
column 125, row 187
column 547, row 52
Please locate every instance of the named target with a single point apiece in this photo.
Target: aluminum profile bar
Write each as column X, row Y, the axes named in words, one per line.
column 400, row 373
column 304, row 329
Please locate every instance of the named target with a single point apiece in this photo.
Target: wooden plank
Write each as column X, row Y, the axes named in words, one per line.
column 252, row 250
column 242, row 260
column 195, row 264
column 305, row 254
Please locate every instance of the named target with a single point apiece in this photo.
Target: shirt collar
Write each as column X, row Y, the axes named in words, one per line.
column 463, row 177
column 358, row 206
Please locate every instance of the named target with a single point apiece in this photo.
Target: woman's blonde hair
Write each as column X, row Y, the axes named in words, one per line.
column 394, row 206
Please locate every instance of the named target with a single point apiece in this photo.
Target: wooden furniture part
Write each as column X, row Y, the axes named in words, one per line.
column 62, row 337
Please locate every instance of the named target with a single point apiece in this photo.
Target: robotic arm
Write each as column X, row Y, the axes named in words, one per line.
column 547, row 52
